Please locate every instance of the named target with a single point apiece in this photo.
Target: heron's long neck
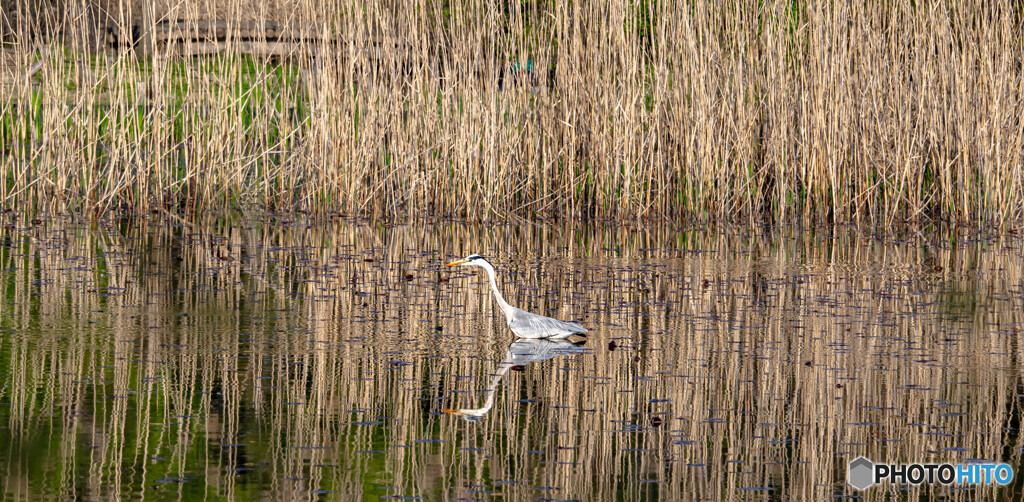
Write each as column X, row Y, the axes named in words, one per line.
column 505, row 307
column 503, row 368
column 492, row 388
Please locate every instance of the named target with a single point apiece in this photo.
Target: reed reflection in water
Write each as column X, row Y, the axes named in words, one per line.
column 283, row 359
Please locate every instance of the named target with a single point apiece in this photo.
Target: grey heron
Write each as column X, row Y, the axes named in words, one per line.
column 520, row 353
column 521, row 322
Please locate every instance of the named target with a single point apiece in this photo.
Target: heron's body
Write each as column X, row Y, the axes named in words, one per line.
column 520, row 353
column 524, row 324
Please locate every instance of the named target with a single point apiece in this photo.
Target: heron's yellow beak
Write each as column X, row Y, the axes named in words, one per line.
column 455, row 412
column 452, row 264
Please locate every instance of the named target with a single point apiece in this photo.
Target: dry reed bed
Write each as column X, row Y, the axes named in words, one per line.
column 840, row 111
column 804, row 350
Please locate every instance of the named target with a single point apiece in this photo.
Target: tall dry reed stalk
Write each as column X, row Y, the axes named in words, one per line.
column 824, row 111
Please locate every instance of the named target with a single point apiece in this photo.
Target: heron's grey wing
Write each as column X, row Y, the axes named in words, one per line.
column 530, row 350
column 529, row 325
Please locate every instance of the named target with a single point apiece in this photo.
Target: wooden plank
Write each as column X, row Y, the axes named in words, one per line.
column 244, row 30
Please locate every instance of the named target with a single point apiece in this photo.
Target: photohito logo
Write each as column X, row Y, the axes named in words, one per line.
column 863, row 474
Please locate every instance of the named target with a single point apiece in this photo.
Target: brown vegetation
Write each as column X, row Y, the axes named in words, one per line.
column 845, row 111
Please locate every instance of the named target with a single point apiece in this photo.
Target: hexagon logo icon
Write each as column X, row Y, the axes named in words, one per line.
column 861, row 473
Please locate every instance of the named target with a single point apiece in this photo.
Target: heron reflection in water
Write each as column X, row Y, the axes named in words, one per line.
column 524, row 324
column 520, row 352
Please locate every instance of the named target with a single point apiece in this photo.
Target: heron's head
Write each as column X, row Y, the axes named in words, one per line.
column 473, row 259
column 469, row 414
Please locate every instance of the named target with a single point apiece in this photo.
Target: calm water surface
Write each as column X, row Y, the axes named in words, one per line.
column 275, row 359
